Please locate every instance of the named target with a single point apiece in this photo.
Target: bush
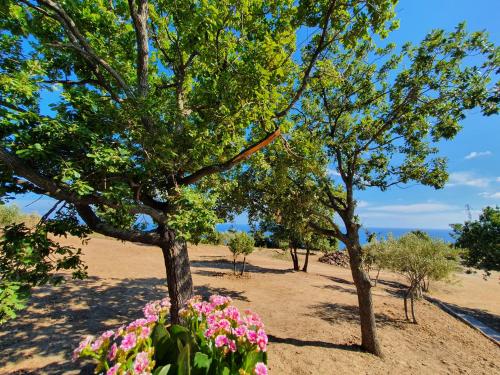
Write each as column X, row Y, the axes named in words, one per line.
column 214, row 338
column 482, row 240
column 241, row 244
column 12, row 214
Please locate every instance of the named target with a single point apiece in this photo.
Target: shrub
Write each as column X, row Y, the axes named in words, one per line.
column 241, row 243
column 214, row 338
column 11, row 214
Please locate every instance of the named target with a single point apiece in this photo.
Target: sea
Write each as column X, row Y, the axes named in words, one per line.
column 442, row 234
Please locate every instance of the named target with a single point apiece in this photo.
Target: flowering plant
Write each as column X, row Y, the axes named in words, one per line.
column 213, row 338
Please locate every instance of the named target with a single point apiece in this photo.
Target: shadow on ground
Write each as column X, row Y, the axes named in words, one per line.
column 319, row 344
column 335, row 313
column 58, row 318
column 224, row 264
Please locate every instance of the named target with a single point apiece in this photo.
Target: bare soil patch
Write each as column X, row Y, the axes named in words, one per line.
column 311, row 319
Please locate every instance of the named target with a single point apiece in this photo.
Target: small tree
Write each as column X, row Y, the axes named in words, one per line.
column 242, row 244
column 418, row 258
column 482, row 240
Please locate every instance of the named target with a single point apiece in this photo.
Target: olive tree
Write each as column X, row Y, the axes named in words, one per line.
column 417, row 259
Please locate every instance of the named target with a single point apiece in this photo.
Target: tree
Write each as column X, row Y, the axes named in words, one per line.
column 152, row 101
column 418, row 258
column 241, row 244
column 279, row 196
column 381, row 115
column 482, row 240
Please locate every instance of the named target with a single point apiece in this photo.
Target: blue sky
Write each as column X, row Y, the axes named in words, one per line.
column 474, row 155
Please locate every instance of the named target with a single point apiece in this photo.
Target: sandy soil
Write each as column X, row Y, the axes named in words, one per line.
column 311, row 319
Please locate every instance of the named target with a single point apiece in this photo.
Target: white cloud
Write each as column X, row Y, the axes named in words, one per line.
column 412, row 208
column 333, row 172
column 467, row 179
column 498, row 179
column 477, row 154
column 424, row 215
column 362, row 204
column 490, row 195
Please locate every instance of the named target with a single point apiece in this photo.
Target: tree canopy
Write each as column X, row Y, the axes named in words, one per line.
column 481, row 238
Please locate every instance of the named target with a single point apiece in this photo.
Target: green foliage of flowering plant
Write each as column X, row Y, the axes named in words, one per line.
column 213, row 338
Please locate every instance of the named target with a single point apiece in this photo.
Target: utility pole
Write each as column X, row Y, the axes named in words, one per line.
column 469, row 214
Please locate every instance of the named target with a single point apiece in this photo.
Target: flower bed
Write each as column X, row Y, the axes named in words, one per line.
column 214, row 338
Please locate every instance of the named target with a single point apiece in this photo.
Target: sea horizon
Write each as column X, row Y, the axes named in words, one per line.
column 442, row 234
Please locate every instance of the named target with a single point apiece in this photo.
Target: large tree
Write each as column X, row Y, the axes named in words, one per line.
column 381, row 115
column 125, row 108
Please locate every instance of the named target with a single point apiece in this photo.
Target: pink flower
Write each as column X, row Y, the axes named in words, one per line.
column 252, row 336
column 221, row 340
column 107, row 334
column 145, row 332
column 231, row 312
column 136, row 324
column 209, row 333
column 113, row 370
column 128, row 341
column 96, row 345
column 219, row 300
column 141, row 362
column 112, row 352
column 232, row 345
column 260, row 369
column 262, row 340
column 224, row 324
column 82, row 345
column 240, row 331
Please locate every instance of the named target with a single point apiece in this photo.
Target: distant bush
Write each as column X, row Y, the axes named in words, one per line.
column 482, row 240
column 12, row 214
column 241, row 244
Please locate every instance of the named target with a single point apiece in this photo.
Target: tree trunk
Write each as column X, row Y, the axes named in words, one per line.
column 243, row 268
column 306, row 261
column 369, row 340
column 234, row 265
column 295, row 258
column 179, row 281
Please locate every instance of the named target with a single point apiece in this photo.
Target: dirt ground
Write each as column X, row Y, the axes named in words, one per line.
column 311, row 319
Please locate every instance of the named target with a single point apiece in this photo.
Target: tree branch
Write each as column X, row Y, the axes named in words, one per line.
column 322, row 44
column 140, row 19
column 243, row 155
column 78, row 39
column 99, row 226
column 49, row 187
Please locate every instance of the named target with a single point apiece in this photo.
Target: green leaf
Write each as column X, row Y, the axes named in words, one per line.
column 163, row 370
column 201, row 363
column 184, row 359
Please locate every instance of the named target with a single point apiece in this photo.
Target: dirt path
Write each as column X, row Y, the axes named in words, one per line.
column 311, row 318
